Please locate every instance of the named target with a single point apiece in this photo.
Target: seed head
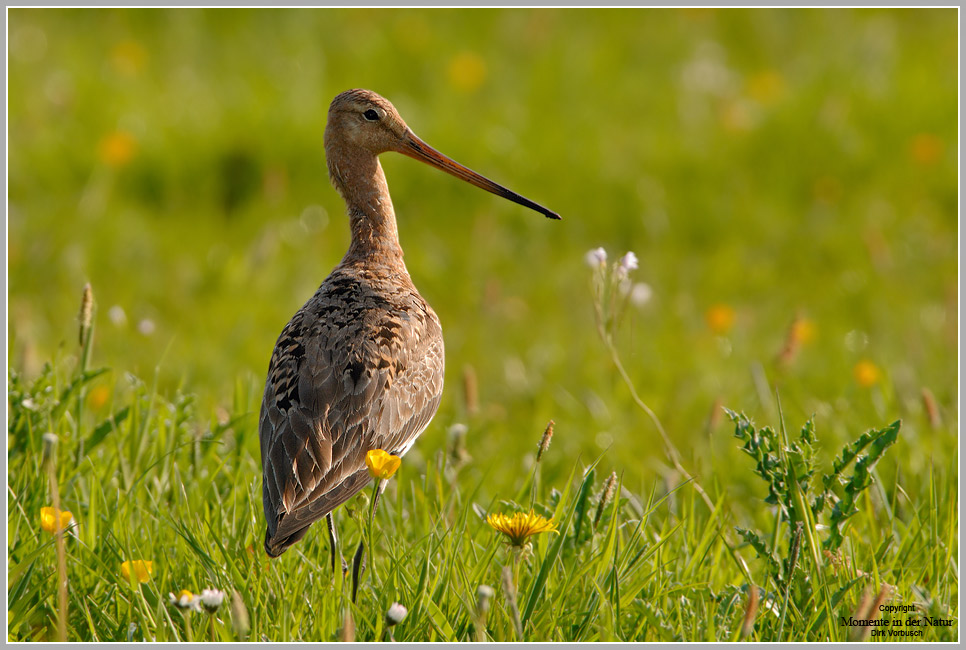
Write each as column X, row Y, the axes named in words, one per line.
column 470, row 391
column 751, row 609
column 605, row 496
column 50, row 446
column 931, row 408
column 239, row 616
column 348, row 633
column 545, row 440
column 86, row 313
column 483, row 595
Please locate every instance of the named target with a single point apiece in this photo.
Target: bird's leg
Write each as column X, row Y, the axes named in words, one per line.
column 358, row 566
column 333, row 544
column 358, row 561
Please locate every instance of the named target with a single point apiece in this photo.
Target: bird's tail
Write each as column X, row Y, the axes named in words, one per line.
column 275, row 546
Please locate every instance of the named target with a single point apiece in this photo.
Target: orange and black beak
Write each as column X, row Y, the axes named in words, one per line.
column 413, row 147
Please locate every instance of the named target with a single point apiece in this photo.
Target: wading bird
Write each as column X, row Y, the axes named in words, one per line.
column 360, row 366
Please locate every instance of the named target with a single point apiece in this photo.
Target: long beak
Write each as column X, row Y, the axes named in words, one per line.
column 413, row 147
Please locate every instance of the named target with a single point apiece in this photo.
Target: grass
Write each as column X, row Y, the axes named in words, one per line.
column 788, row 180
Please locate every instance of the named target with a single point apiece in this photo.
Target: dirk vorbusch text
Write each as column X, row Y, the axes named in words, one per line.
column 901, row 626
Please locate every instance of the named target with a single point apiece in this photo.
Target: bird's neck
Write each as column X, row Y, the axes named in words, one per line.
column 362, row 184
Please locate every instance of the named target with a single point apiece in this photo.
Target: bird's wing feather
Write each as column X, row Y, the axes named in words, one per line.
column 354, row 370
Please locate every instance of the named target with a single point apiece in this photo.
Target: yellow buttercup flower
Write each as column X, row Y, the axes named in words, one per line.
column 720, row 318
column 766, row 87
column 926, row 149
column 521, row 526
column 866, row 373
column 129, row 57
column 142, row 569
column 117, row 149
column 803, row 330
column 467, row 71
column 381, row 463
column 52, row 519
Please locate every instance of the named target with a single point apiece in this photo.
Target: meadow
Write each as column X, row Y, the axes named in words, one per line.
column 755, row 425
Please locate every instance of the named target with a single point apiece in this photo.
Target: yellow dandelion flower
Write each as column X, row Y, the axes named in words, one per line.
column 766, row 87
column 98, row 396
column 128, row 57
column 142, row 569
column 720, row 318
column 925, row 149
column 866, row 373
column 381, row 463
column 117, row 149
column 521, row 526
column 467, row 71
column 52, row 519
column 804, row 330
column 800, row 332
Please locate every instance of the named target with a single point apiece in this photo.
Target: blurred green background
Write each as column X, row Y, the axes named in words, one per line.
column 768, row 167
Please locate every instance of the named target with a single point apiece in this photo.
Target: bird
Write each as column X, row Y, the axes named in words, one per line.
column 360, row 366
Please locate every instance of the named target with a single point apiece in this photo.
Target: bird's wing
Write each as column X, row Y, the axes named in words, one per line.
column 342, row 381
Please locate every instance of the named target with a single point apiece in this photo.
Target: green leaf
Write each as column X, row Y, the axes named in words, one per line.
column 105, row 427
column 752, row 539
column 541, row 579
column 439, row 621
column 581, row 508
column 878, row 440
column 80, row 380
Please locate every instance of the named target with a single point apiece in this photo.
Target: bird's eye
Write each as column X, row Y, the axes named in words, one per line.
column 371, row 115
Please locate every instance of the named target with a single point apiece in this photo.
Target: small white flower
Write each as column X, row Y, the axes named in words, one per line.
column 457, row 431
column 641, row 294
column 628, row 263
column 396, row 614
column 146, row 327
column 117, row 316
column 596, row 258
column 211, row 599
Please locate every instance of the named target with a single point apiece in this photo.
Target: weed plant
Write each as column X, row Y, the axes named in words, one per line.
column 787, row 178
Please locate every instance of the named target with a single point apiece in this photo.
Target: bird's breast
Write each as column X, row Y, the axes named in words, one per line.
column 357, row 336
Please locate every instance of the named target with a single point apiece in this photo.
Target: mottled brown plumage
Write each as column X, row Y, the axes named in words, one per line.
column 360, row 366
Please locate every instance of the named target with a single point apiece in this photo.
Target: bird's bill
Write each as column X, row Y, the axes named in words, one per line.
column 415, row 148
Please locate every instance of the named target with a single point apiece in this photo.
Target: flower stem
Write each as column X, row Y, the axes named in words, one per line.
column 509, row 586
column 187, row 627
column 372, row 515
column 669, row 449
column 50, row 458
